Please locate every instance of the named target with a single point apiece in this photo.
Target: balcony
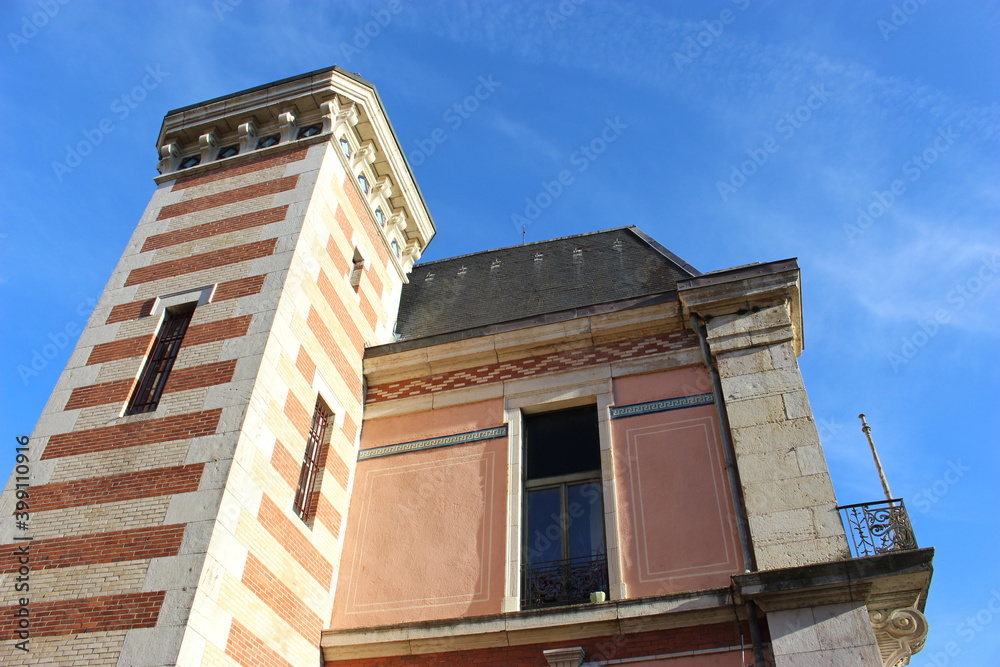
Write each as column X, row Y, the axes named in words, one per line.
column 562, row 582
column 878, row 528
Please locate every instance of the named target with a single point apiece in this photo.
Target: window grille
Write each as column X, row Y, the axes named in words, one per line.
column 304, row 506
column 160, row 362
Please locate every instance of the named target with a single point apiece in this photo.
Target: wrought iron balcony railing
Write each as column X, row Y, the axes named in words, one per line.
column 878, row 528
column 560, row 582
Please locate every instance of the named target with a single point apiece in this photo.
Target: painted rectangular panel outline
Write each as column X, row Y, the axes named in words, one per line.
column 661, row 406
column 482, row 594
column 433, row 443
column 639, row 516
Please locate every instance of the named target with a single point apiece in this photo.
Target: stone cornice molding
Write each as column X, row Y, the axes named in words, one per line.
column 341, row 101
column 731, row 300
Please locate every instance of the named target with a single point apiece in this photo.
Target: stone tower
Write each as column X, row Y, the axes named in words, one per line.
column 190, row 473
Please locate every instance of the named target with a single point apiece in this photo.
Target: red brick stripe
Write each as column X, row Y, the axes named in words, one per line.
column 249, row 651
column 286, row 466
column 340, row 313
column 180, row 380
column 282, row 600
column 234, row 224
column 133, row 434
column 210, row 332
column 529, row 366
column 99, row 614
column 231, row 289
column 207, row 260
column 296, row 412
column 290, row 537
column 228, row 197
column 120, row 349
column 327, row 514
column 122, row 545
column 306, row 365
column 196, row 335
column 364, row 213
column 206, row 375
column 347, row 371
column 218, row 174
column 130, row 311
column 99, row 394
column 115, row 488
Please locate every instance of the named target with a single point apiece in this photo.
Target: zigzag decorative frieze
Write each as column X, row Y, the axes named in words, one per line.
column 545, row 363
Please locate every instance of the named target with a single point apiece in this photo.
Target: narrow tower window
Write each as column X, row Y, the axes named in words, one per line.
column 358, row 270
column 305, row 504
column 160, row 361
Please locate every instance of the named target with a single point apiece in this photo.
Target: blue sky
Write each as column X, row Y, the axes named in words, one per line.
column 859, row 137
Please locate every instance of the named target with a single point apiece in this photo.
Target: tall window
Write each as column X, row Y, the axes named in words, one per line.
column 305, row 505
column 154, row 376
column 564, row 557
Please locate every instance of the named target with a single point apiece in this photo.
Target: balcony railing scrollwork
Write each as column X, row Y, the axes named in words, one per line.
column 878, row 528
column 561, row 582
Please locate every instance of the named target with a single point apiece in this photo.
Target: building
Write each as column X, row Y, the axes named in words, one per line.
column 281, row 442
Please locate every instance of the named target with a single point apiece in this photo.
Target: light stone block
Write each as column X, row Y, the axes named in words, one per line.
column 193, row 506
column 151, row 647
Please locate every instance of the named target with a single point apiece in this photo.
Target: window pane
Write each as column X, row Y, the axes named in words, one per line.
column 562, row 443
column 544, row 536
column 586, row 512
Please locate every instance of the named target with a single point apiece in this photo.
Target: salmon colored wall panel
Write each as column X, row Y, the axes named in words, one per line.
column 432, row 424
column 675, row 507
column 687, row 381
column 425, row 537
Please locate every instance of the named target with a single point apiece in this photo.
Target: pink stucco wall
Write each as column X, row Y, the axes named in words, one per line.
column 426, row 529
column 676, row 517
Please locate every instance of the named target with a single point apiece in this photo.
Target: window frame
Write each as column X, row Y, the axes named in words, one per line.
column 160, row 359
column 317, row 443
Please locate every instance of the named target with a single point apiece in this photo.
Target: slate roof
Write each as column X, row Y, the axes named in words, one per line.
column 531, row 280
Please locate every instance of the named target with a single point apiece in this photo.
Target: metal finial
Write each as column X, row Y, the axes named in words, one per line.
column 878, row 462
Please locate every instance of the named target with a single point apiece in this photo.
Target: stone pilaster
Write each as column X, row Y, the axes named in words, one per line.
column 753, row 321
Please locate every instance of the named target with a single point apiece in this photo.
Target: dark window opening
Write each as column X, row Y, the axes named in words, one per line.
column 190, row 161
column 305, row 496
column 357, row 270
column 268, row 141
column 310, row 131
column 160, row 361
column 564, row 557
column 228, row 151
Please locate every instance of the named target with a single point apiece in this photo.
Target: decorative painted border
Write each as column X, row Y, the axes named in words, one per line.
column 432, row 443
column 662, row 406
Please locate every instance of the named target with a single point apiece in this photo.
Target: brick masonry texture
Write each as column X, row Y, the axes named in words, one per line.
column 207, row 260
column 530, row 366
column 137, row 544
column 135, row 433
column 228, row 197
column 348, row 372
column 294, row 542
column 232, row 289
column 81, row 650
column 363, row 212
column 120, row 349
column 233, row 224
column 199, row 334
column 598, row 649
column 98, row 614
column 287, row 157
column 180, row 380
column 268, row 588
column 114, row 488
column 249, row 651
